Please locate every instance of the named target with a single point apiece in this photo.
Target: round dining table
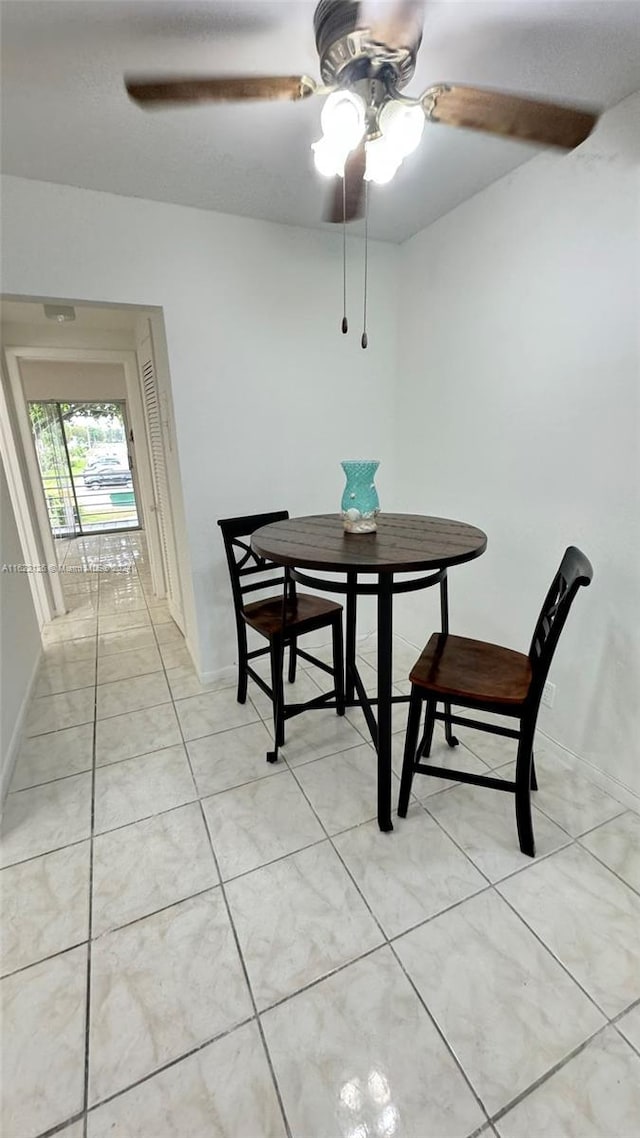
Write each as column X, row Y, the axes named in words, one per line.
column 375, row 564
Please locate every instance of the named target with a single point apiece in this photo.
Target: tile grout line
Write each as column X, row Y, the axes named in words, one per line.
column 91, row 860
column 81, row 1116
column 43, row 959
column 537, row 860
column 335, row 971
column 615, row 873
column 165, row 1067
column 607, row 821
column 61, row 1127
column 90, row 915
column 615, row 1022
column 552, row 953
column 545, row 813
column 156, row 912
column 234, row 931
column 340, row 968
column 387, row 942
column 245, row 971
column 537, row 1083
column 493, row 885
column 632, row 1007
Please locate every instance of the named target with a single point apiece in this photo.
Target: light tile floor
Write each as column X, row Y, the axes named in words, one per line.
column 197, row 944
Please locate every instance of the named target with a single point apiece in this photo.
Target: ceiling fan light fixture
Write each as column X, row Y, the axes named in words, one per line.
column 401, row 126
column 343, row 120
column 329, row 159
column 382, row 161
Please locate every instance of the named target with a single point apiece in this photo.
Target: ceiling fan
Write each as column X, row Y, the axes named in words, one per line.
column 367, row 54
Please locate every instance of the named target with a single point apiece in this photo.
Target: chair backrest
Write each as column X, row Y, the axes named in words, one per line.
column 245, row 566
column 575, row 570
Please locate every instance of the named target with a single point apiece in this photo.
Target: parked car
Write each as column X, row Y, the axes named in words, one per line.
column 102, row 460
column 107, row 474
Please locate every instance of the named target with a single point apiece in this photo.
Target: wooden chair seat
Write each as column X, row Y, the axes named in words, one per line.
column 458, row 668
column 303, row 614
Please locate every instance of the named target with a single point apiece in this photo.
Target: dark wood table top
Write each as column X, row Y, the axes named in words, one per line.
column 402, row 543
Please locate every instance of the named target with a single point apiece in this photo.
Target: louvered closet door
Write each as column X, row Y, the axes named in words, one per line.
column 156, row 439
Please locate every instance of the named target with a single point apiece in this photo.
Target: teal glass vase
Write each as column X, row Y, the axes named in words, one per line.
column 360, row 504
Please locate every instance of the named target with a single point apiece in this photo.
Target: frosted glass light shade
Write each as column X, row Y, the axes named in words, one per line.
column 329, row 160
column 382, row 161
column 401, row 127
column 343, row 120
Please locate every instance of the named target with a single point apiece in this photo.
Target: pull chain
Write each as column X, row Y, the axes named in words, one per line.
column 345, row 322
column 365, row 339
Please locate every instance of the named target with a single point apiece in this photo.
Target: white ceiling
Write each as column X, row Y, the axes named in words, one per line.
column 66, row 116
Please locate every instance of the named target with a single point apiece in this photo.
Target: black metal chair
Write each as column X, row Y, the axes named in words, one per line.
column 281, row 620
column 488, row 678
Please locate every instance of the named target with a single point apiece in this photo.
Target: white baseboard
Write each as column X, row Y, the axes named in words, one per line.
column 225, row 677
column 607, row 782
column 229, row 675
column 9, row 760
column 190, row 650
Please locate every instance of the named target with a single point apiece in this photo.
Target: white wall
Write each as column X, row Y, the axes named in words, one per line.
column 23, row 334
column 50, row 379
column 518, row 411
column 268, row 394
column 19, row 638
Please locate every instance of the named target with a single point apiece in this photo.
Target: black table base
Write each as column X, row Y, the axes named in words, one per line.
column 385, row 587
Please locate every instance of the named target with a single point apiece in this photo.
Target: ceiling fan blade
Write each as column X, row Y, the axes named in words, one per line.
column 222, row 89
column 550, row 124
column 352, row 205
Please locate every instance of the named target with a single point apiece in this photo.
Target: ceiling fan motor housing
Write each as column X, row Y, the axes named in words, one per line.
column 349, row 52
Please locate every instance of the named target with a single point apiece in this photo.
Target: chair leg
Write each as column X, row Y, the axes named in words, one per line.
column 410, row 746
column 277, row 689
column 534, row 778
column 448, row 733
column 424, row 749
column 524, row 764
column 338, row 664
column 293, row 661
column 243, row 675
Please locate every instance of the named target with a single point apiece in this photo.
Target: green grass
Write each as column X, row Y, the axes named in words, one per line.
column 105, row 516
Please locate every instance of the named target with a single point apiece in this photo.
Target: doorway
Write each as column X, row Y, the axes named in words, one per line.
column 108, row 354
column 85, row 466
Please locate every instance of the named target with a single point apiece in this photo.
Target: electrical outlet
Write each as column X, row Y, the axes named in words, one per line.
column 548, row 694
